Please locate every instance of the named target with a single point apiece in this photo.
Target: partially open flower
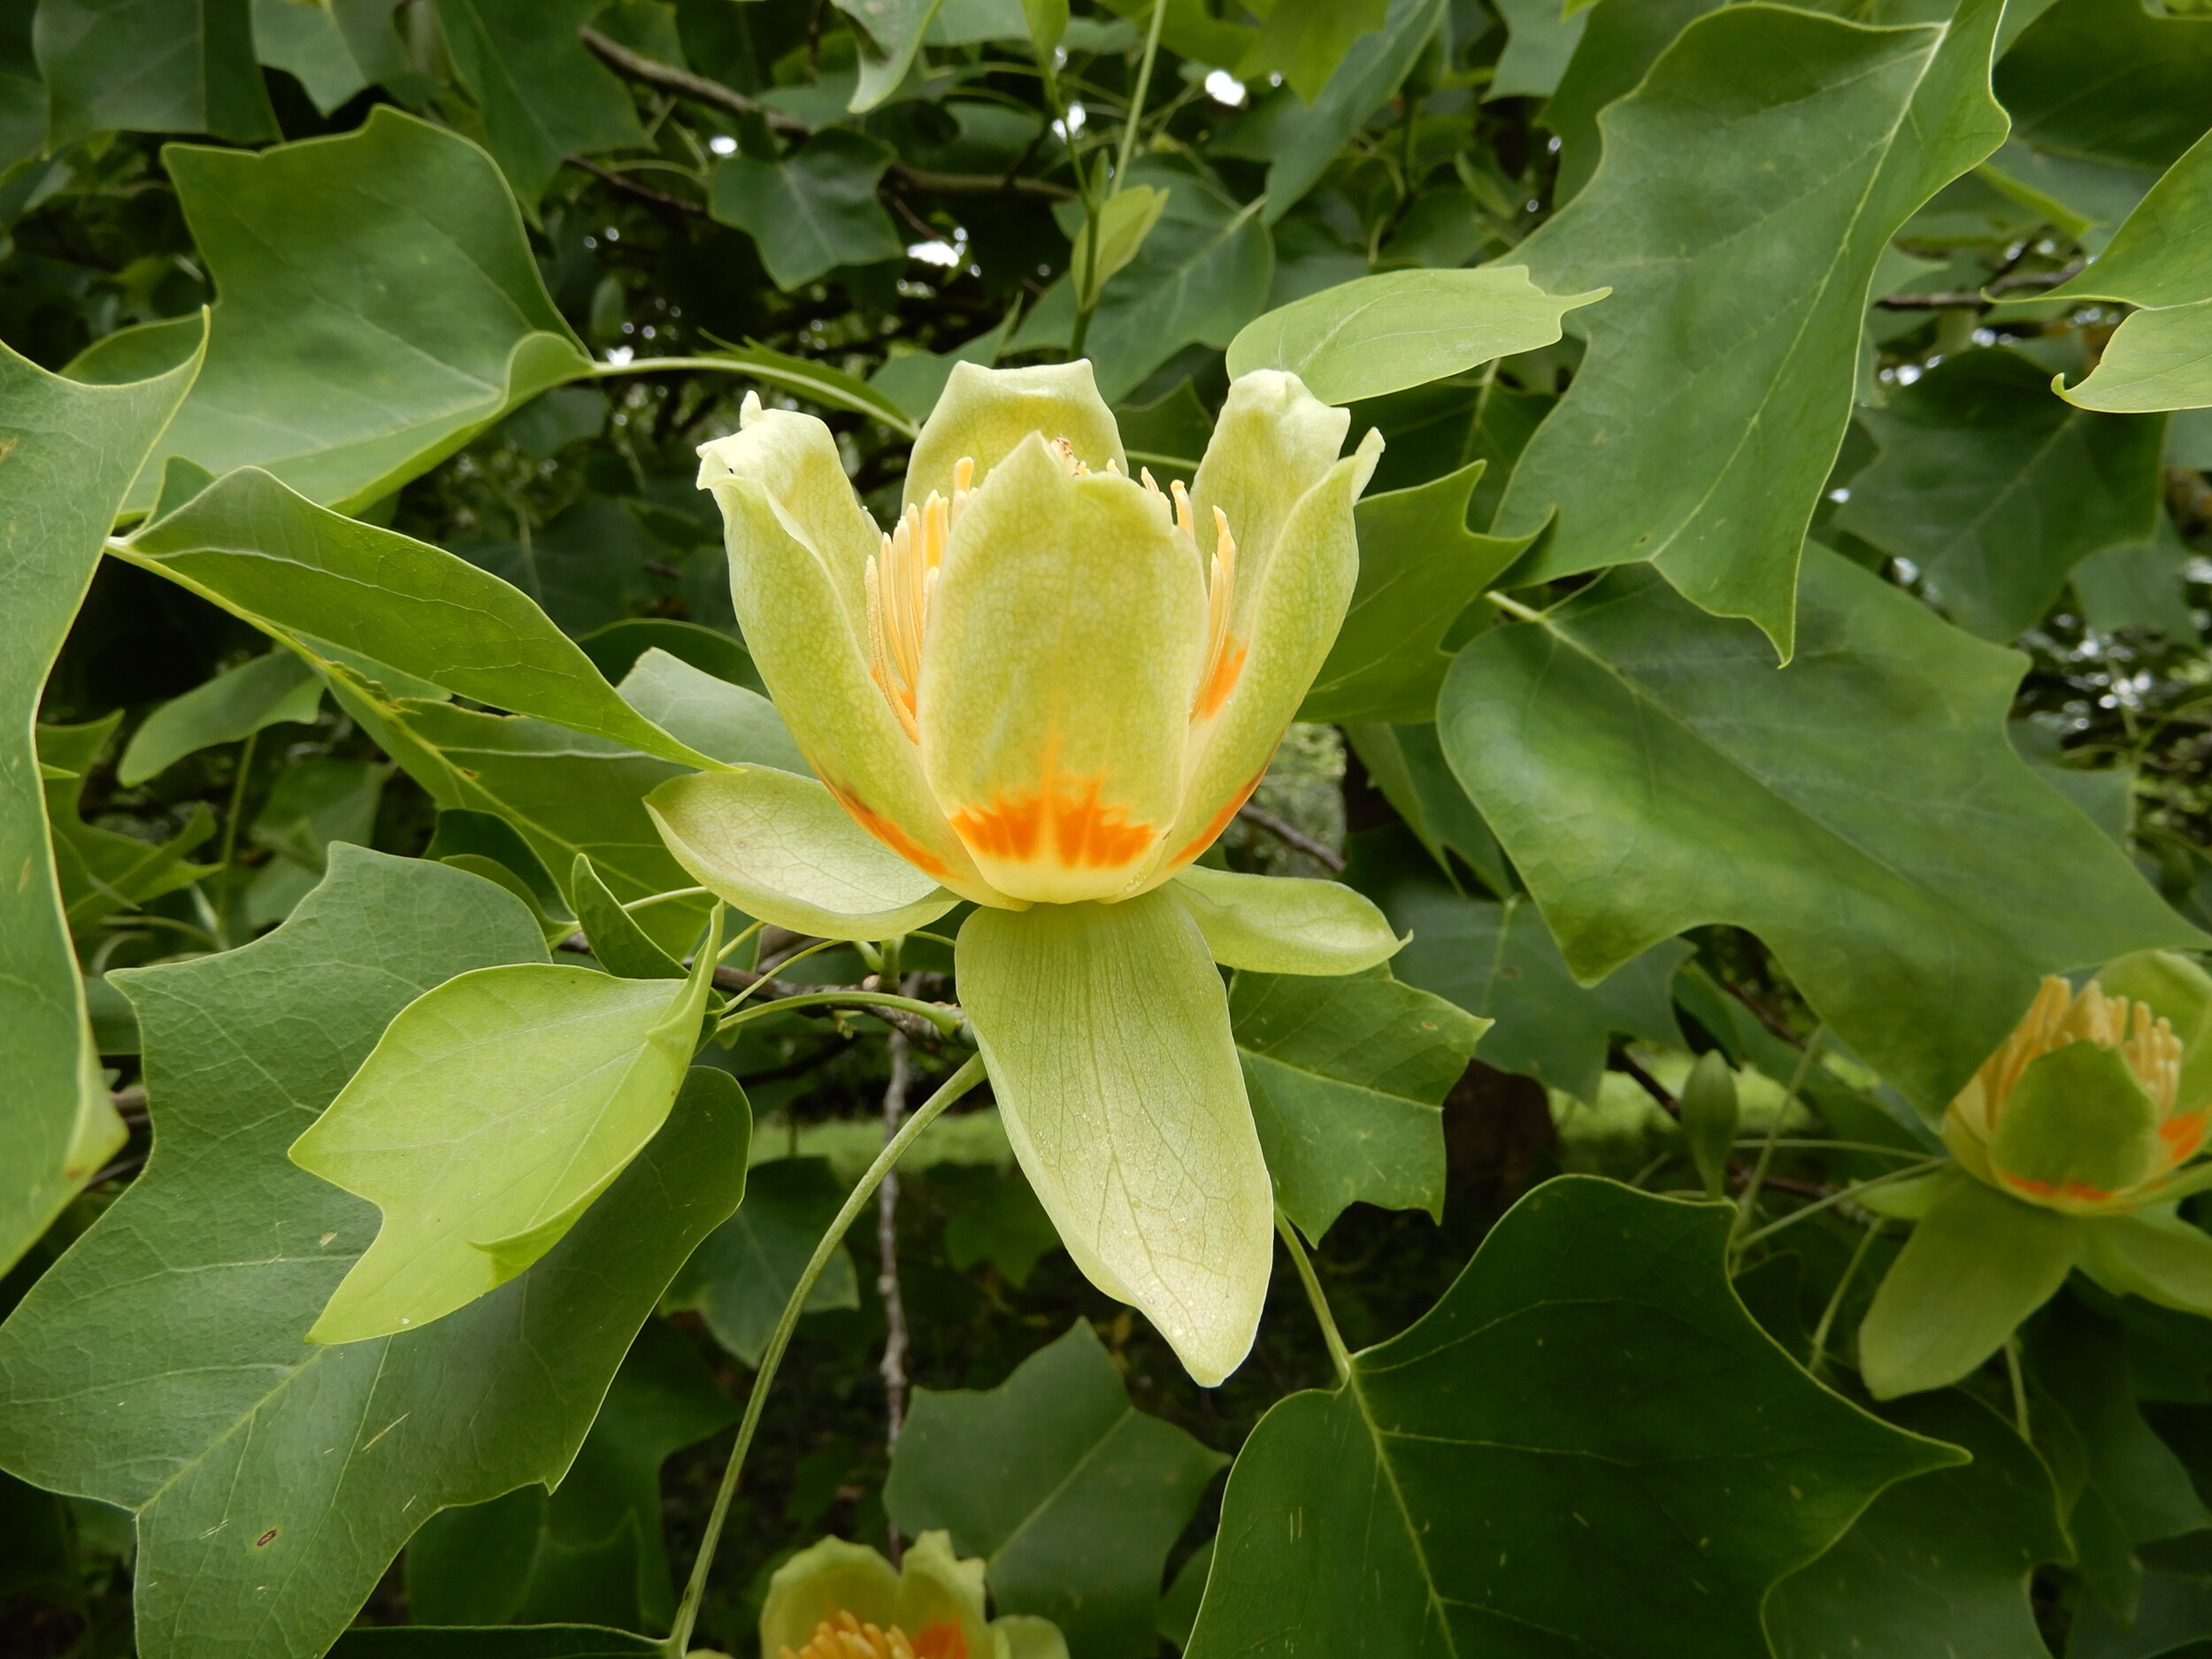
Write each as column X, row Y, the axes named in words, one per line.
column 1047, row 689
column 839, row 1600
column 2080, row 1108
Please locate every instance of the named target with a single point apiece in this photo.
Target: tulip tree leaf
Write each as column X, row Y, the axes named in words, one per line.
column 739, row 1279
column 813, row 211
column 1997, row 491
column 152, row 67
column 318, row 579
column 1938, row 1567
column 1862, row 810
column 492, row 1114
column 1501, row 961
column 1588, row 1405
column 162, row 1367
column 104, row 871
column 730, row 722
column 1071, row 1494
column 592, row 1549
column 1346, row 1079
column 1407, row 764
column 1305, row 40
column 618, row 943
column 2160, row 260
column 1698, row 437
column 544, row 96
column 267, row 690
column 378, row 307
column 1305, row 141
column 71, row 450
column 1619, row 43
column 1420, row 567
column 2110, row 79
column 1382, row 334
column 890, row 35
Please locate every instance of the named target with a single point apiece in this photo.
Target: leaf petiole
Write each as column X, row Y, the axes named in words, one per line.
column 1339, row 1356
column 948, row 1021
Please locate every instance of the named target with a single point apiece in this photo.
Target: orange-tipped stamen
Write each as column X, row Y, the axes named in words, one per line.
column 900, row 582
column 1224, row 653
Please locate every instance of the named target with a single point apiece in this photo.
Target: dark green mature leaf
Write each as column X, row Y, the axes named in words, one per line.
column 543, row 96
column 1996, row 489
column 1407, row 764
column 618, row 943
column 1420, row 567
column 2110, row 79
column 1621, row 40
column 152, row 67
column 1347, row 1079
column 1541, row 38
column 266, row 690
column 1501, row 962
column 1303, row 40
column 161, row 1367
column 545, row 1641
column 2160, row 260
column 592, row 1549
column 890, row 34
column 317, row 577
column 1302, row 143
column 379, row 307
column 2140, row 585
column 1073, row 1496
column 1938, row 1567
column 1698, row 436
column 1587, row 1446
column 813, row 211
column 2173, row 1619
column 1862, row 810
column 72, row 450
column 104, row 871
column 739, row 1279
column 334, row 52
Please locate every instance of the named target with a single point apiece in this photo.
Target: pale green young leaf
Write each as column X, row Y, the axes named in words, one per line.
column 161, row 1367
column 1106, row 1030
column 1977, row 1264
column 268, row 690
column 67, row 453
column 492, row 1113
column 1551, row 1425
column 1047, row 21
column 544, row 97
column 152, row 67
column 1284, row 924
column 1071, row 1494
column 1996, row 490
column 729, row 722
column 1347, row 1079
column 744, row 1271
column 318, row 578
column 779, row 847
column 1382, row 334
column 820, row 383
column 1124, row 220
column 814, row 210
column 377, row 306
column 1420, row 567
column 1697, row 437
column 1861, row 810
column 890, row 33
column 618, row 943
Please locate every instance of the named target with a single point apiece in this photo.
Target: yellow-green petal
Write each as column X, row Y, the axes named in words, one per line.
column 794, row 459
column 936, row 1588
column 2077, row 1131
column 1285, row 924
column 984, row 414
column 2154, row 1255
column 1026, row 1636
column 803, row 611
column 1290, row 621
column 1106, row 1031
column 1274, row 441
column 780, row 847
column 1064, row 642
column 817, row 1583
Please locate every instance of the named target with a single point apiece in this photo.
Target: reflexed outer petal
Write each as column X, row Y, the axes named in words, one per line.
column 1283, row 924
column 2077, row 1131
column 821, row 1582
column 780, row 847
column 1293, row 621
column 1975, row 1267
column 803, row 610
column 937, row 1589
column 984, row 414
column 2161, row 1258
column 1064, row 642
column 1106, row 1031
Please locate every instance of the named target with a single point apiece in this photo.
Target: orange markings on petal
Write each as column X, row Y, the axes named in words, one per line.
column 1075, row 831
column 1219, row 822
column 2182, row 1134
column 1224, row 653
column 941, row 1639
column 2081, row 1191
column 1228, row 662
column 887, row 831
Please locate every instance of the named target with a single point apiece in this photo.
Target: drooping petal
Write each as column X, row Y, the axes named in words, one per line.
column 1284, row 924
column 1106, row 1031
column 1063, row 639
column 984, row 414
column 1977, row 1264
column 1287, row 627
column 797, row 580
column 780, row 847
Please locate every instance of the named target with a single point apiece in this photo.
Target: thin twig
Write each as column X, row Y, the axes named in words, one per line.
column 643, row 192
column 1979, row 299
column 1292, row 836
column 776, row 991
column 893, row 1366
column 1627, row 1064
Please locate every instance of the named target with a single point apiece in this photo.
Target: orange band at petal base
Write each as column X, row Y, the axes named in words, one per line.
column 2182, row 1134
column 885, row 831
column 941, row 1639
column 1219, row 822
column 2080, row 1192
column 1074, row 830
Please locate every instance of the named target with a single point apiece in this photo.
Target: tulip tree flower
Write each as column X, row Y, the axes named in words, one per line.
column 1048, row 690
column 840, row 1601
column 2073, row 1145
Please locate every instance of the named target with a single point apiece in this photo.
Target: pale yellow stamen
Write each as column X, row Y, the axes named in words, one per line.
column 846, row 1637
column 1069, row 461
column 901, row 582
column 2060, row 1015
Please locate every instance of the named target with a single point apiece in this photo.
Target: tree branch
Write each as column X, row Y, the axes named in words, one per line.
column 644, row 192
column 1292, row 836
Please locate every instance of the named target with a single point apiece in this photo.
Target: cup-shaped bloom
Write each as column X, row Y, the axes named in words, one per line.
column 2081, row 1108
column 1047, row 688
column 840, row 1601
